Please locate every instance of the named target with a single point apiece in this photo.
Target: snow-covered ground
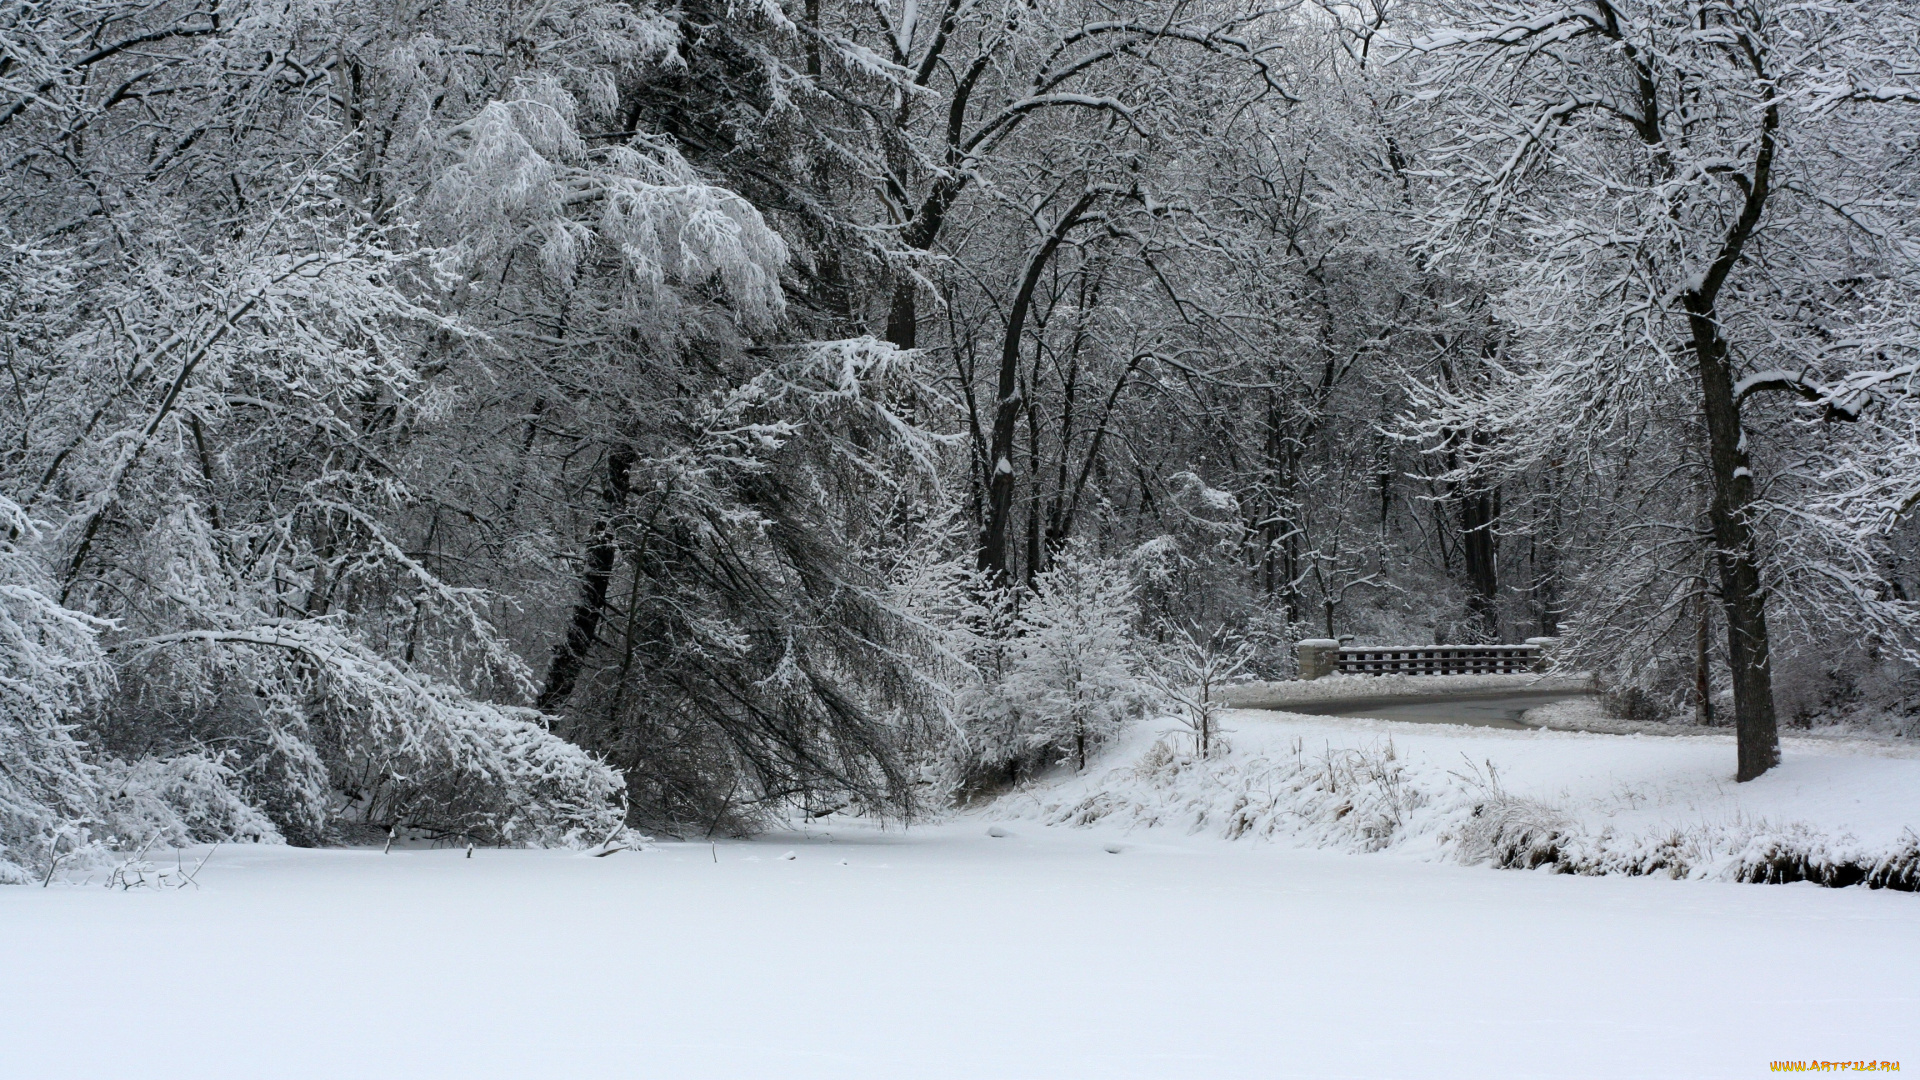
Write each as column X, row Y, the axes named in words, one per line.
column 1588, row 802
column 1000, row 943
column 943, row 952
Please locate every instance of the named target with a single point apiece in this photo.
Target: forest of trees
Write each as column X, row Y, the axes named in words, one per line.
column 508, row 421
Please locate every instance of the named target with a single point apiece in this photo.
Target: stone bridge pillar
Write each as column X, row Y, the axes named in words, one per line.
column 1318, row 657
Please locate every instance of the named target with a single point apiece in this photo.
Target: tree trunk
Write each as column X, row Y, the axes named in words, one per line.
column 570, row 656
column 1478, row 509
column 903, row 314
column 1033, row 568
column 1702, row 656
column 1742, row 596
column 1544, row 555
column 903, row 318
column 1270, row 532
column 1007, row 400
column 1280, row 526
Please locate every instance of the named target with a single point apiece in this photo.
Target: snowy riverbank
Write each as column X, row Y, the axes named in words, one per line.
column 1834, row 811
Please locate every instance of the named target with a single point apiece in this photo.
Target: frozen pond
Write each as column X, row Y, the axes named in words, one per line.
column 941, row 953
column 1495, row 709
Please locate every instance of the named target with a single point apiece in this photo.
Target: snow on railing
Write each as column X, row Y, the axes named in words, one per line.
column 1325, row 656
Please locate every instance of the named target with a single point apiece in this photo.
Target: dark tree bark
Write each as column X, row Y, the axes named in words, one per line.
column 1742, row 595
column 903, row 317
column 994, row 532
column 1479, row 508
column 570, row 656
column 1031, row 391
column 903, row 314
column 1066, row 503
column 1730, row 511
column 1543, row 555
column 1702, row 657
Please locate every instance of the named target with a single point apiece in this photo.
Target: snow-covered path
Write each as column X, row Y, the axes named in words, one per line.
column 941, row 952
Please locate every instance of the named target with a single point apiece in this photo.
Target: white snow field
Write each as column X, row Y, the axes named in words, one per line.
column 1115, row 950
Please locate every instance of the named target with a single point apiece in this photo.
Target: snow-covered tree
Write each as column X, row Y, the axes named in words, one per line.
column 1193, row 676
column 1681, row 201
column 1067, row 674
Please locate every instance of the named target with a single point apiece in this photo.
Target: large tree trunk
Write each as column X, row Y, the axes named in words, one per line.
column 1479, row 507
column 1478, row 510
column 570, row 656
column 1729, row 513
column 993, row 531
column 1280, row 527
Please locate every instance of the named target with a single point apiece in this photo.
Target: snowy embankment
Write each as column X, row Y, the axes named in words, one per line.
column 1838, row 813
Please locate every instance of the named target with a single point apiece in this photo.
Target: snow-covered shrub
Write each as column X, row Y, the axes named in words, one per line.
column 1519, row 834
column 1359, row 799
column 1636, row 704
column 1065, row 677
column 1513, row 833
column 1899, row 867
column 1195, row 669
column 172, row 802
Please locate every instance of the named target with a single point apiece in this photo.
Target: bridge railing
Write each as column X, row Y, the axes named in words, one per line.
column 1324, row 656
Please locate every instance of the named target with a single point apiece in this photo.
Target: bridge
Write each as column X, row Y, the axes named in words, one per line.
column 1502, row 682
column 1325, row 656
